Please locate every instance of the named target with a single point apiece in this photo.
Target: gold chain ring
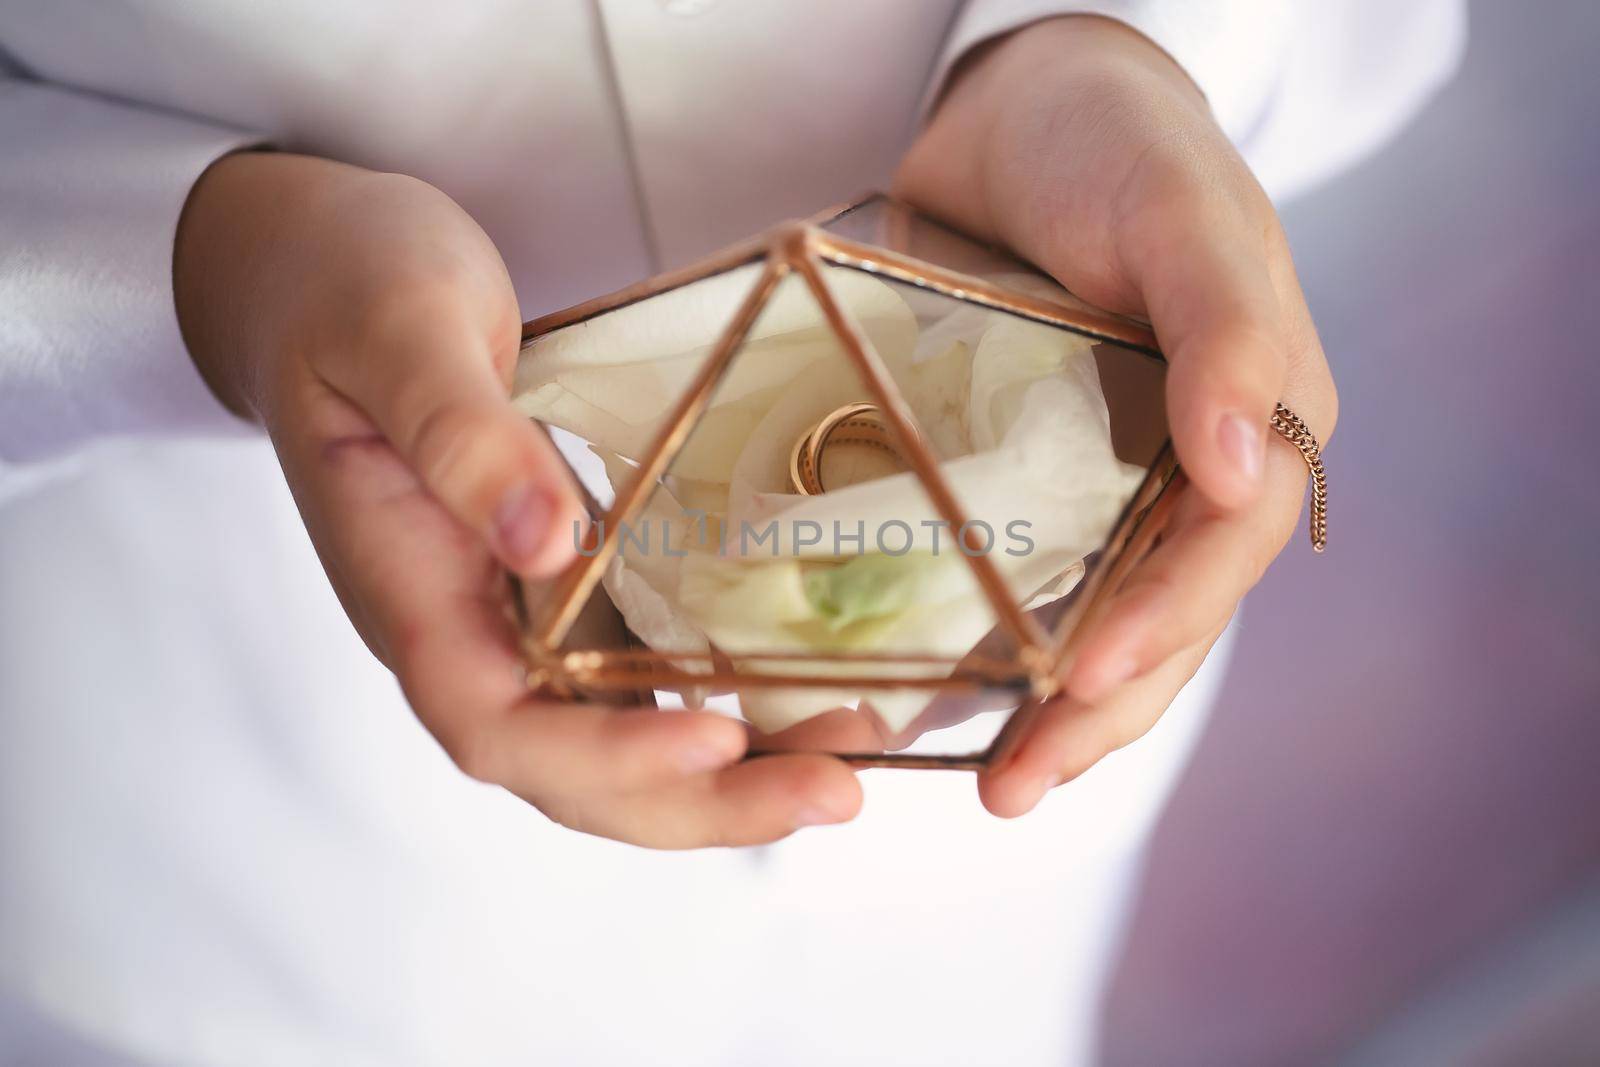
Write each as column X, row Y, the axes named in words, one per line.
column 1294, row 430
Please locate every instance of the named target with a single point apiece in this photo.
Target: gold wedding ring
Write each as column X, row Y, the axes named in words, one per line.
column 853, row 424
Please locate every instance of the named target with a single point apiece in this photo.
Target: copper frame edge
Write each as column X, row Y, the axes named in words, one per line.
column 583, row 659
column 1143, row 519
column 1147, row 529
column 1137, row 514
column 972, row 289
column 576, row 584
column 723, row 260
column 908, row 761
column 604, row 678
column 620, row 667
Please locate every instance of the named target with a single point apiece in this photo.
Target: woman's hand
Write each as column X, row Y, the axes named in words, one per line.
column 1082, row 146
column 370, row 325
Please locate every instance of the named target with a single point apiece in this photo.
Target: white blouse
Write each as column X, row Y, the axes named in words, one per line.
column 223, row 837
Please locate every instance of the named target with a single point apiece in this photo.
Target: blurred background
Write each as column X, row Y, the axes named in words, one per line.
column 1387, row 849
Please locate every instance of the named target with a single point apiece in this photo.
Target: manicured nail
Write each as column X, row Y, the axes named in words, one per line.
column 521, row 524
column 812, row 815
column 698, row 759
column 1245, row 444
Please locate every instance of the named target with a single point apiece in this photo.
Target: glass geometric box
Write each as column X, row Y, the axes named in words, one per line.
column 861, row 481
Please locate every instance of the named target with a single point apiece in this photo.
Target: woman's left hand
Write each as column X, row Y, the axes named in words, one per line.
column 1085, row 148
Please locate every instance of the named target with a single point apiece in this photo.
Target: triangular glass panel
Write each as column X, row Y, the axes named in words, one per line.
column 1044, row 434
column 609, row 383
column 887, row 225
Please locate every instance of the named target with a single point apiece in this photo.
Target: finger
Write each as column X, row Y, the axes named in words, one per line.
column 433, row 603
column 751, row 803
column 436, row 392
column 1195, row 250
column 1065, row 737
column 839, row 730
column 1189, row 584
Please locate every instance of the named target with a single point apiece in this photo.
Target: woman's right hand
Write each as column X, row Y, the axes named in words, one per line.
column 369, row 324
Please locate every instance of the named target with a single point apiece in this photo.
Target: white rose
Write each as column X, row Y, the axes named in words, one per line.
column 1014, row 409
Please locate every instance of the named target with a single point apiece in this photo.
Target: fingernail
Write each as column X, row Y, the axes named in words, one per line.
column 1245, row 444
column 698, row 759
column 812, row 815
column 521, row 524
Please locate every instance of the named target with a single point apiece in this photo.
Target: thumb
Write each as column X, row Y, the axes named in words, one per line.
column 1200, row 263
column 436, row 395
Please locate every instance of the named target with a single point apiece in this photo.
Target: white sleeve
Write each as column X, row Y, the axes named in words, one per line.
column 90, row 193
column 1304, row 89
